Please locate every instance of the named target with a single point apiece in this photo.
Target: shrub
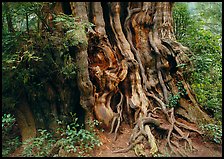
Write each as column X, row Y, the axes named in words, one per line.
column 81, row 141
column 71, row 140
column 39, row 146
column 9, row 139
column 197, row 34
column 213, row 132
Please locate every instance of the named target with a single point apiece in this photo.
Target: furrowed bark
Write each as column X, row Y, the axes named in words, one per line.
column 138, row 69
column 127, row 69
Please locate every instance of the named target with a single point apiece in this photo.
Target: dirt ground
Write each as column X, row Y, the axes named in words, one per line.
column 109, row 145
column 202, row 148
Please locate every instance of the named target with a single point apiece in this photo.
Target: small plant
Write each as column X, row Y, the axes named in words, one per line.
column 75, row 29
column 7, row 122
column 213, row 132
column 39, row 146
column 69, row 69
column 9, row 140
column 181, row 88
column 173, row 100
column 71, row 140
column 80, row 141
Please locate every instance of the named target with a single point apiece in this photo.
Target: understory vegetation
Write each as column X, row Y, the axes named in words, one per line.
column 65, row 140
column 199, row 27
column 10, row 138
column 69, row 139
column 32, row 58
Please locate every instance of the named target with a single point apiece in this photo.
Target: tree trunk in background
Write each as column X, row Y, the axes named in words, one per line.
column 132, row 71
column 9, row 17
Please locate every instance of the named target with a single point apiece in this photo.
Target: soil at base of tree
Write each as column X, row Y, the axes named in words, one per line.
column 202, row 148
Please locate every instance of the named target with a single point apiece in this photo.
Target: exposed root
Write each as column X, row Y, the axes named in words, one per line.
column 188, row 127
column 155, row 109
column 182, row 137
column 151, row 140
column 139, row 150
column 133, row 49
column 113, row 122
column 182, row 153
column 170, row 131
column 154, row 45
column 118, row 124
column 136, row 136
column 151, row 120
column 161, row 103
column 138, row 88
column 143, row 130
column 138, row 140
column 174, row 124
column 117, row 116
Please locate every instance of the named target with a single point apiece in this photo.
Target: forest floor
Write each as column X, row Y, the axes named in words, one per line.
column 202, row 148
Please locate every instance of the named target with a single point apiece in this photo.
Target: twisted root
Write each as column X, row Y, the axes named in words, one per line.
column 117, row 116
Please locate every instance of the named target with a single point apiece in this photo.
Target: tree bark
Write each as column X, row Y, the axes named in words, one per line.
column 128, row 69
column 9, row 17
column 136, row 72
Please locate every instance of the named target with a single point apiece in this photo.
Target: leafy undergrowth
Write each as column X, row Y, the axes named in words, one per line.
column 66, row 141
column 200, row 30
column 202, row 147
column 10, row 140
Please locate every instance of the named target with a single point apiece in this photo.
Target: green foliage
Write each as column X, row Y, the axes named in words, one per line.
column 33, row 57
column 23, row 13
column 74, row 28
column 9, row 140
column 182, row 91
column 182, row 20
column 29, row 61
column 211, row 14
column 213, row 132
column 71, row 139
column 194, row 30
column 39, row 146
column 79, row 141
column 173, row 100
column 19, row 63
column 7, row 122
column 69, row 68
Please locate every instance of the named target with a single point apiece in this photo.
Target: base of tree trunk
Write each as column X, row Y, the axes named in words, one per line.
column 132, row 71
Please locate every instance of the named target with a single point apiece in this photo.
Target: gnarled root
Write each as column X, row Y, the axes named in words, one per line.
column 141, row 131
column 117, row 116
column 138, row 140
column 151, row 140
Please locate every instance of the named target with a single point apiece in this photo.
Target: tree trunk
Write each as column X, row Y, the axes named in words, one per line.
column 133, row 62
column 132, row 72
column 9, row 17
